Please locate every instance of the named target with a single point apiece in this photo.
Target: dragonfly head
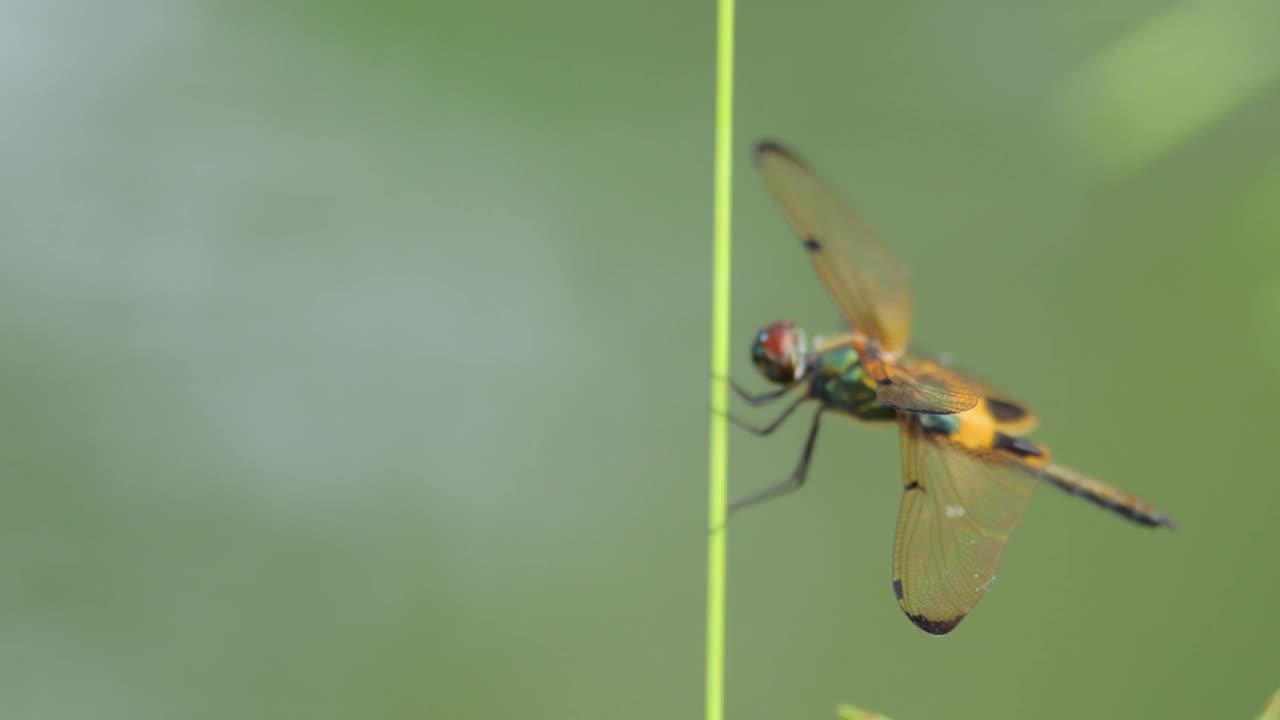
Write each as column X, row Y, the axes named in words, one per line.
column 779, row 353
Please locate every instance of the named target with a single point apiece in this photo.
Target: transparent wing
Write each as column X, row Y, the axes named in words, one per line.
column 925, row 388
column 866, row 282
column 958, row 510
column 1007, row 414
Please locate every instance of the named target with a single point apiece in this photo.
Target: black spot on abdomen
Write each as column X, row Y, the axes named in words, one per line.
column 811, row 244
column 1017, row 446
column 1005, row 411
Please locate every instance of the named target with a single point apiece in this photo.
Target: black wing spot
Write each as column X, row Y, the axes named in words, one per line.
column 913, row 485
column 1017, row 446
column 769, row 146
column 811, row 244
column 935, row 627
column 897, row 588
column 1005, row 411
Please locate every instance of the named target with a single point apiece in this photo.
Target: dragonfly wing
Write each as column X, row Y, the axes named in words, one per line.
column 1007, row 414
column 866, row 282
column 958, row 509
column 926, row 390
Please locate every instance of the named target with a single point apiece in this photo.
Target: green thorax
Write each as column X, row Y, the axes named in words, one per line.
column 840, row 381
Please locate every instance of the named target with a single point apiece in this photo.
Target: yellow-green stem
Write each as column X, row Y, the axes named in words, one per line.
column 718, row 457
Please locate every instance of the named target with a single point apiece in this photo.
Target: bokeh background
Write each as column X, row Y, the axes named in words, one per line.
column 354, row 356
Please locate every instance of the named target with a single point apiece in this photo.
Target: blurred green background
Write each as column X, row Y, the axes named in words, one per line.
column 355, row 355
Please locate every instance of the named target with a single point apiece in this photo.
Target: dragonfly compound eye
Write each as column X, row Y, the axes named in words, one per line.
column 777, row 351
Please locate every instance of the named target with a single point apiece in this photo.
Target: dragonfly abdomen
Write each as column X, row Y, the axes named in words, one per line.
column 968, row 430
column 1106, row 497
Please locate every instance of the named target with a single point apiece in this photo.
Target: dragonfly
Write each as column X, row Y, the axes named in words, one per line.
column 969, row 470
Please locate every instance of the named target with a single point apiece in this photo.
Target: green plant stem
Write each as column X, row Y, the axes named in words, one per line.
column 718, row 452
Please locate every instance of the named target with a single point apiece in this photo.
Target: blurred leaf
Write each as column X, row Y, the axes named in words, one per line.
column 1272, row 710
column 1170, row 78
column 849, row 712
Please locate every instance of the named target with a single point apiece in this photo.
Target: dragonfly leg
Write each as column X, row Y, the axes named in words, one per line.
column 793, row 482
column 773, row 425
column 763, row 398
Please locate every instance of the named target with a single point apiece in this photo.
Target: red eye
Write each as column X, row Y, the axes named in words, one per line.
column 777, row 352
column 779, row 339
